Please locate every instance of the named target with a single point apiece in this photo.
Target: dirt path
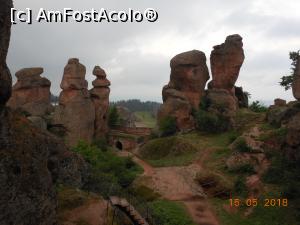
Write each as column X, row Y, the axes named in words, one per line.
column 178, row 184
column 92, row 213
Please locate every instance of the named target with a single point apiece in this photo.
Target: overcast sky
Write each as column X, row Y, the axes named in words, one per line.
column 136, row 56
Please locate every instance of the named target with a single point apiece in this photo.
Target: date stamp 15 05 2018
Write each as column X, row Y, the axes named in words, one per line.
column 253, row 202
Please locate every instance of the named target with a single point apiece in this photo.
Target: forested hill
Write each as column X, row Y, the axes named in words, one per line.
column 136, row 105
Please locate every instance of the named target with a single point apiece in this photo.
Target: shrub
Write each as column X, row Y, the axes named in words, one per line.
column 167, row 126
column 244, row 169
column 232, row 137
column 101, row 144
column 170, row 213
column 240, row 186
column 113, row 117
column 241, row 145
column 107, row 168
column 145, row 193
column 285, row 173
column 258, row 107
column 211, row 122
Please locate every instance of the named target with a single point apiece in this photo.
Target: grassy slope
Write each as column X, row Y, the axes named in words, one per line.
column 146, row 119
column 215, row 150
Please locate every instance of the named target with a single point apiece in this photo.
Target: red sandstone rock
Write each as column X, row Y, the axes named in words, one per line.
column 296, row 82
column 100, row 98
column 74, row 76
column 279, row 102
column 226, row 60
column 76, row 112
column 189, row 74
column 31, row 93
column 222, row 100
column 177, row 105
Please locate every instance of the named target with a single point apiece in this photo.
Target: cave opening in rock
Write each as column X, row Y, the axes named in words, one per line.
column 119, row 145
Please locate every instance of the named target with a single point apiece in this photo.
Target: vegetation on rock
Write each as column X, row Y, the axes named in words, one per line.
column 286, row 81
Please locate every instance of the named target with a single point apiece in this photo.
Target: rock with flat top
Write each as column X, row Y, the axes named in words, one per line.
column 31, row 93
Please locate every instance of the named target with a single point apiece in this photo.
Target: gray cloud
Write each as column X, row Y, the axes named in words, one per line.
column 136, row 56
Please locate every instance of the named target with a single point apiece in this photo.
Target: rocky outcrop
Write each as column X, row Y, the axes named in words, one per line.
column 5, row 77
column 31, row 93
column 189, row 74
column 226, row 60
column 76, row 112
column 31, row 162
column 279, row 102
column 223, row 97
column 242, row 97
column 296, row 81
column 287, row 117
column 100, row 98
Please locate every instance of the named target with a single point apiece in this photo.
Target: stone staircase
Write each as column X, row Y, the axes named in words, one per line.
column 128, row 209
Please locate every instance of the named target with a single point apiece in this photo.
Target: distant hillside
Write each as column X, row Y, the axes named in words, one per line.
column 136, row 105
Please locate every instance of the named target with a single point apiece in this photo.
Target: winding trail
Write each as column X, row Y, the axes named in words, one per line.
column 178, row 184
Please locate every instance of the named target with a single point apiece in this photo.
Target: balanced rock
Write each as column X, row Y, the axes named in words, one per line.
column 226, row 60
column 5, row 25
column 76, row 111
column 31, row 93
column 100, row 97
column 189, row 74
column 296, row 81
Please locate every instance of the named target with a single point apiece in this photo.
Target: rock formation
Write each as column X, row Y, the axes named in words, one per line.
column 5, row 77
column 189, row 74
column 296, row 81
column 76, row 112
column 242, row 97
column 100, row 98
column 226, row 60
column 31, row 162
column 288, row 118
column 31, row 93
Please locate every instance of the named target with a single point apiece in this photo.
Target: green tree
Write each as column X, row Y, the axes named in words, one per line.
column 258, row 107
column 167, row 126
column 286, row 81
column 113, row 117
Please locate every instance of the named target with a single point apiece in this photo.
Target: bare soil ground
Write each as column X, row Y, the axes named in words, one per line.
column 93, row 213
column 178, row 184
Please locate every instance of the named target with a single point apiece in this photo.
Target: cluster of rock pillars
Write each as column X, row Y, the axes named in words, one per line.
column 81, row 113
column 189, row 77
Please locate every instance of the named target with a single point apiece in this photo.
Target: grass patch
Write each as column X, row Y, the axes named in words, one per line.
column 170, row 213
column 145, row 193
column 69, row 198
column 146, row 118
column 107, row 169
column 245, row 119
column 169, row 151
